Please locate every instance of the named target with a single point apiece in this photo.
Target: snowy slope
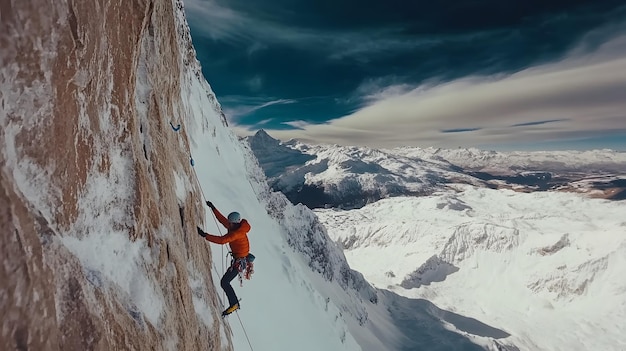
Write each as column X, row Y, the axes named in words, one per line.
column 546, row 268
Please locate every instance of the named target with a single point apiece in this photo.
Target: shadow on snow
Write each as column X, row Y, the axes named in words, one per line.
column 422, row 324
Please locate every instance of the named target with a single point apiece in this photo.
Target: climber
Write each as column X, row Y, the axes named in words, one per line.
column 237, row 236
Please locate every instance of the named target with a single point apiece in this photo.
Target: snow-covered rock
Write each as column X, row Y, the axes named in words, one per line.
column 534, row 265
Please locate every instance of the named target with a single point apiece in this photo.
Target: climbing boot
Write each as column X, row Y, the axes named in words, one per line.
column 230, row 309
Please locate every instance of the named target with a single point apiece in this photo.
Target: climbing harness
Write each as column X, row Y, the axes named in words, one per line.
column 244, row 266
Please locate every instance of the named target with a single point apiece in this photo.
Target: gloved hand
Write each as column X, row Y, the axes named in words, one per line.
column 201, row 232
column 210, row 204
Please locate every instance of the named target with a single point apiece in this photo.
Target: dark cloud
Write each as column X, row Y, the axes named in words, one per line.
column 460, row 130
column 526, row 124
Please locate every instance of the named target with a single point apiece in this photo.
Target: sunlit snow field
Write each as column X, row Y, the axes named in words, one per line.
column 547, row 268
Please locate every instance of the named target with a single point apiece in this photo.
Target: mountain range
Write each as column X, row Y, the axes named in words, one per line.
column 350, row 177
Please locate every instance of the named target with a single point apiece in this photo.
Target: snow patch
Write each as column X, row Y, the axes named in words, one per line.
column 198, row 289
column 181, row 188
column 126, row 264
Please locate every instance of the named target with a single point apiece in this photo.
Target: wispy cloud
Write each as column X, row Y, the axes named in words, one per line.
column 381, row 88
column 585, row 93
column 220, row 22
column 297, row 124
column 244, row 105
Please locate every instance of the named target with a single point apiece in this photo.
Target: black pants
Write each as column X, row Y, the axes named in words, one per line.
column 230, row 274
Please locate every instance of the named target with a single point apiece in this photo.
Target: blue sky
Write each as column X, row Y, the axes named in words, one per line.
column 482, row 73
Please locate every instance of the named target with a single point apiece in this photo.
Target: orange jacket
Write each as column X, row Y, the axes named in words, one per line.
column 237, row 236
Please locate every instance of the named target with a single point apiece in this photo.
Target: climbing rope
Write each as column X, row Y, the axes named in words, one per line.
column 219, row 231
column 223, row 258
column 244, row 331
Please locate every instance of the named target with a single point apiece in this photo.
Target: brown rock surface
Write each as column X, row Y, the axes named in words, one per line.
column 85, row 85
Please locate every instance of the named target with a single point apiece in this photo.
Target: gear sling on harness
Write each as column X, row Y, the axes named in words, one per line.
column 244, row 267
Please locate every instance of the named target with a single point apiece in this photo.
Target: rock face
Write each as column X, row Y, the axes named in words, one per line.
column 86, row 92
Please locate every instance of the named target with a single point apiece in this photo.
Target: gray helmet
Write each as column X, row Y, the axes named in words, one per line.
column 234, row 217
